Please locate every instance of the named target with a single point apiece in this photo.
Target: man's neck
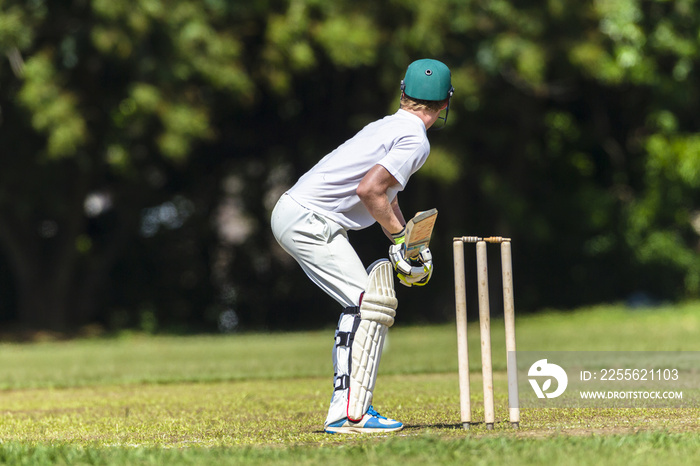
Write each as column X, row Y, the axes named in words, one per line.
column 429, row 118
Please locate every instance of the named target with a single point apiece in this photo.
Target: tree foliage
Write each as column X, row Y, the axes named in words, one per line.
column 145, row 143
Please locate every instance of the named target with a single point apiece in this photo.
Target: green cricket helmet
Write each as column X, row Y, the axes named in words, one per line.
column 427, row 79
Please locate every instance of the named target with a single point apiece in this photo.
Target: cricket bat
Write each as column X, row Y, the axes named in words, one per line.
column 418, row 232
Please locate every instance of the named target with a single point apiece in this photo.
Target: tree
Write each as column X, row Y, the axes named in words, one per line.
column 145, row 143
column 102, row 107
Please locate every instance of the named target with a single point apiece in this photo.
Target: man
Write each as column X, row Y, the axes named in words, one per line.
column 351, row 188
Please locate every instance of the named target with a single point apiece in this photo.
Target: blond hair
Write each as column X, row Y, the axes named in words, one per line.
column 417, row 105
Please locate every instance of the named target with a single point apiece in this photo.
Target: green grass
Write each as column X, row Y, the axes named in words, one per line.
column 262, row 398
column 634, row 449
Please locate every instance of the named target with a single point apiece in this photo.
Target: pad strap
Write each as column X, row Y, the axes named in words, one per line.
column 342, row 382
column 345, row 338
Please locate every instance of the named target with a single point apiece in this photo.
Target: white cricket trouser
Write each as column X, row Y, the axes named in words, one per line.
column 322, row 249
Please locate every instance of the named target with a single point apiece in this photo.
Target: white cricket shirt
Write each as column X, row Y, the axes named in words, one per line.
column 397, row 142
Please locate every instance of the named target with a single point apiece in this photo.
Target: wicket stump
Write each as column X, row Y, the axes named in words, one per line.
column 485, row 328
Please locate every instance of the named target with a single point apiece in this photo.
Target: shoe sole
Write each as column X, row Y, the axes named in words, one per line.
column 360, row 430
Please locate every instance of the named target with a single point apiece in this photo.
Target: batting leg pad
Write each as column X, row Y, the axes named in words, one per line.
column 342, row 362
column 377, row 312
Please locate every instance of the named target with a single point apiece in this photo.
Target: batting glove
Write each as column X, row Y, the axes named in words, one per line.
column 409, row 271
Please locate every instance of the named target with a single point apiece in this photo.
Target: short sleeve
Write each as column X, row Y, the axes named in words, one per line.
column 405, row 157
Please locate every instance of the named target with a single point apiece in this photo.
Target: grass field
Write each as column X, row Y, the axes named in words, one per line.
column 262, row 398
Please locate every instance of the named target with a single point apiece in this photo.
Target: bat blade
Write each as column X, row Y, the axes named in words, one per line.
column 418, row 232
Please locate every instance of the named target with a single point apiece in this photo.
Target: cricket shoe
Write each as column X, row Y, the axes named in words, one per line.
column 371, row 422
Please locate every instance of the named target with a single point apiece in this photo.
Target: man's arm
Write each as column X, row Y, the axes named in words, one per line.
column 372, row 191
column 397, row 211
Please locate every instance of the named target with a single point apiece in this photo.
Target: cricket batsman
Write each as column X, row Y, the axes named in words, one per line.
column 351, row 188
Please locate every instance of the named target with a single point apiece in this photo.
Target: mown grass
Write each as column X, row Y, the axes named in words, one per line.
column 652, row 448
column 262, row 398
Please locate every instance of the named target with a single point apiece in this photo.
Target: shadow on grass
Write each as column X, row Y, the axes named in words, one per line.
column 473, row 426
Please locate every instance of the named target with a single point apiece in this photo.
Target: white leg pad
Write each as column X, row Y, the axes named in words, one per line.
column 342, row 363
column 377, row 312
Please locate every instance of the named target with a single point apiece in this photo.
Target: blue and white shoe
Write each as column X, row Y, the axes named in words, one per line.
column 371, row 422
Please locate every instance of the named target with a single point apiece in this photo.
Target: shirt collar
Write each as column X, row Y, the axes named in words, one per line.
column 408, row 114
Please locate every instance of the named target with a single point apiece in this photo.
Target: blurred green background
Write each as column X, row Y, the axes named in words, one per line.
column 143, row 145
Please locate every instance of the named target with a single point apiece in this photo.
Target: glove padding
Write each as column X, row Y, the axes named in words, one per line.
column 411, row 272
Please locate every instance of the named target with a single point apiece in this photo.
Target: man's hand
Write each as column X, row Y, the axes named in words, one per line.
column 411, row 272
